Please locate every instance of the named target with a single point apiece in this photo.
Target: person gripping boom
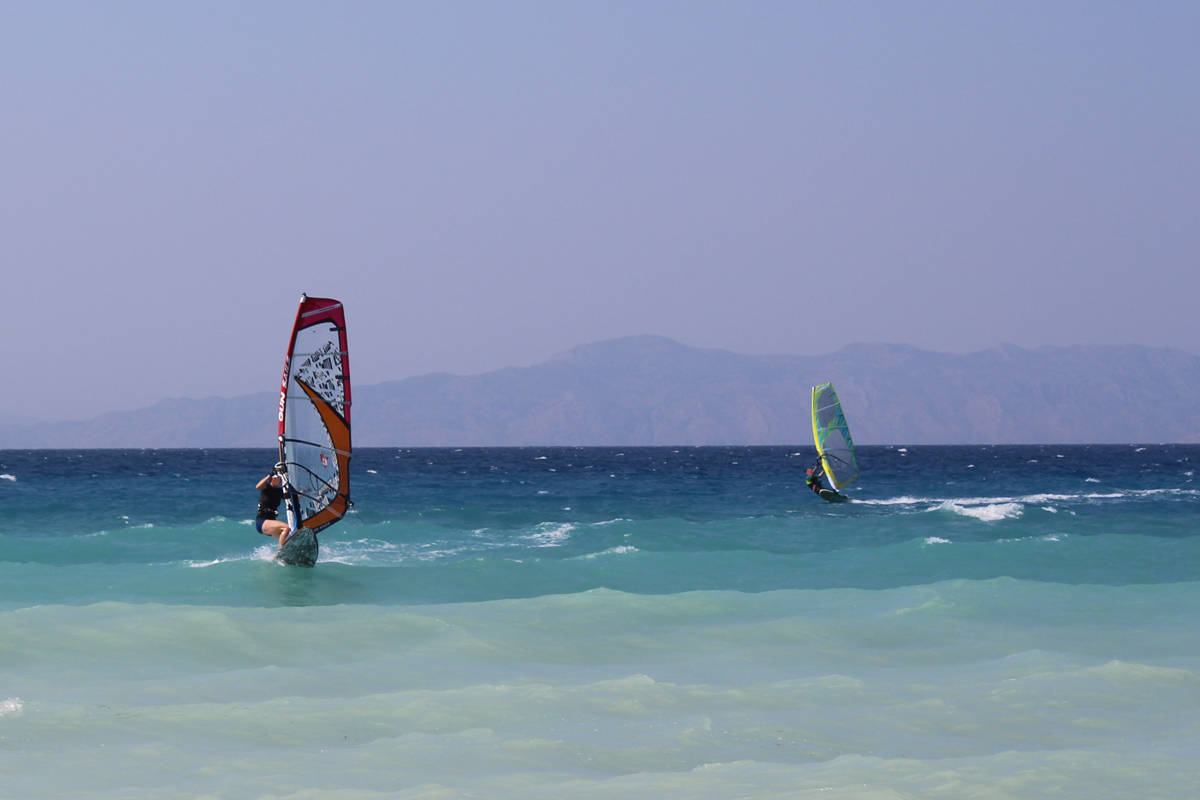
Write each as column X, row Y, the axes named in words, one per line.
column 270, row 495
column 813, row 479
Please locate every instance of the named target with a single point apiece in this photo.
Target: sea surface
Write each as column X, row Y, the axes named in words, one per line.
column 980, row 622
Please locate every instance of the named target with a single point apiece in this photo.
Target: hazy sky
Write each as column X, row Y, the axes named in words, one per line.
column 487, row 184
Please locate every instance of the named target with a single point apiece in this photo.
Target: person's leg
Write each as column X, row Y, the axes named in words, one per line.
column 274, row 527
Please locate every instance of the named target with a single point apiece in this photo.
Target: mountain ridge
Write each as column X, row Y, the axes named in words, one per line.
column 652, row 390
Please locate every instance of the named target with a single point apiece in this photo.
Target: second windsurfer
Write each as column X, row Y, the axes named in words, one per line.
column 813, row 481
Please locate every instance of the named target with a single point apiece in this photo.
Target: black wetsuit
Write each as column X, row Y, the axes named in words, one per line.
column 269, row 498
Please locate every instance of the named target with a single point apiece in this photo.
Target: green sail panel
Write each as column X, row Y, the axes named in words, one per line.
column 832, row 437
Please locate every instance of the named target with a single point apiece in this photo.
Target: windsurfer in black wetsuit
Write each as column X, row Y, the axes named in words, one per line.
column 270, row 495
column 813, row 481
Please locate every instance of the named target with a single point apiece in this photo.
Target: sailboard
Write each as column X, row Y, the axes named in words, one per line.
column 831, row 434
column 314, row 427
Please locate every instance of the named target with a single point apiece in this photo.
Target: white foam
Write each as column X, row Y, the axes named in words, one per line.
column 976, row 501
column 903, row 500
column 1177, row 492
column 372, row 472
column 11, row 706
column 1091, row 480
column 936, row 540
column 360, row 551
column 8, row 477
column 990, row 512
column 1040, row 498
column 620, row 550
column 1045, row 498
column 551, row 534
column 1011, row 506
column 265, row 552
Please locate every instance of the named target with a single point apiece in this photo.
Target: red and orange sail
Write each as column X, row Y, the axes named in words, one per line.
column 314, row 415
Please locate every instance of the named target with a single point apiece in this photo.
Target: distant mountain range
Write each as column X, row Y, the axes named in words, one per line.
column 650, row 390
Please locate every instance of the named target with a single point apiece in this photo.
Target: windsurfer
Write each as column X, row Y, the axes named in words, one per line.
column 270, row 495
column 814, row 478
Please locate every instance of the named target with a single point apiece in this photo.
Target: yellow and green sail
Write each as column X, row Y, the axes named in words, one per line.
column 832, row 437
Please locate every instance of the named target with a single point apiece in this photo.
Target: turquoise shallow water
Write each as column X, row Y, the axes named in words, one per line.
column 1002, row 622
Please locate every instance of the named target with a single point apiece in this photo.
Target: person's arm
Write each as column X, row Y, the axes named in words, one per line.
column 262, row 484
